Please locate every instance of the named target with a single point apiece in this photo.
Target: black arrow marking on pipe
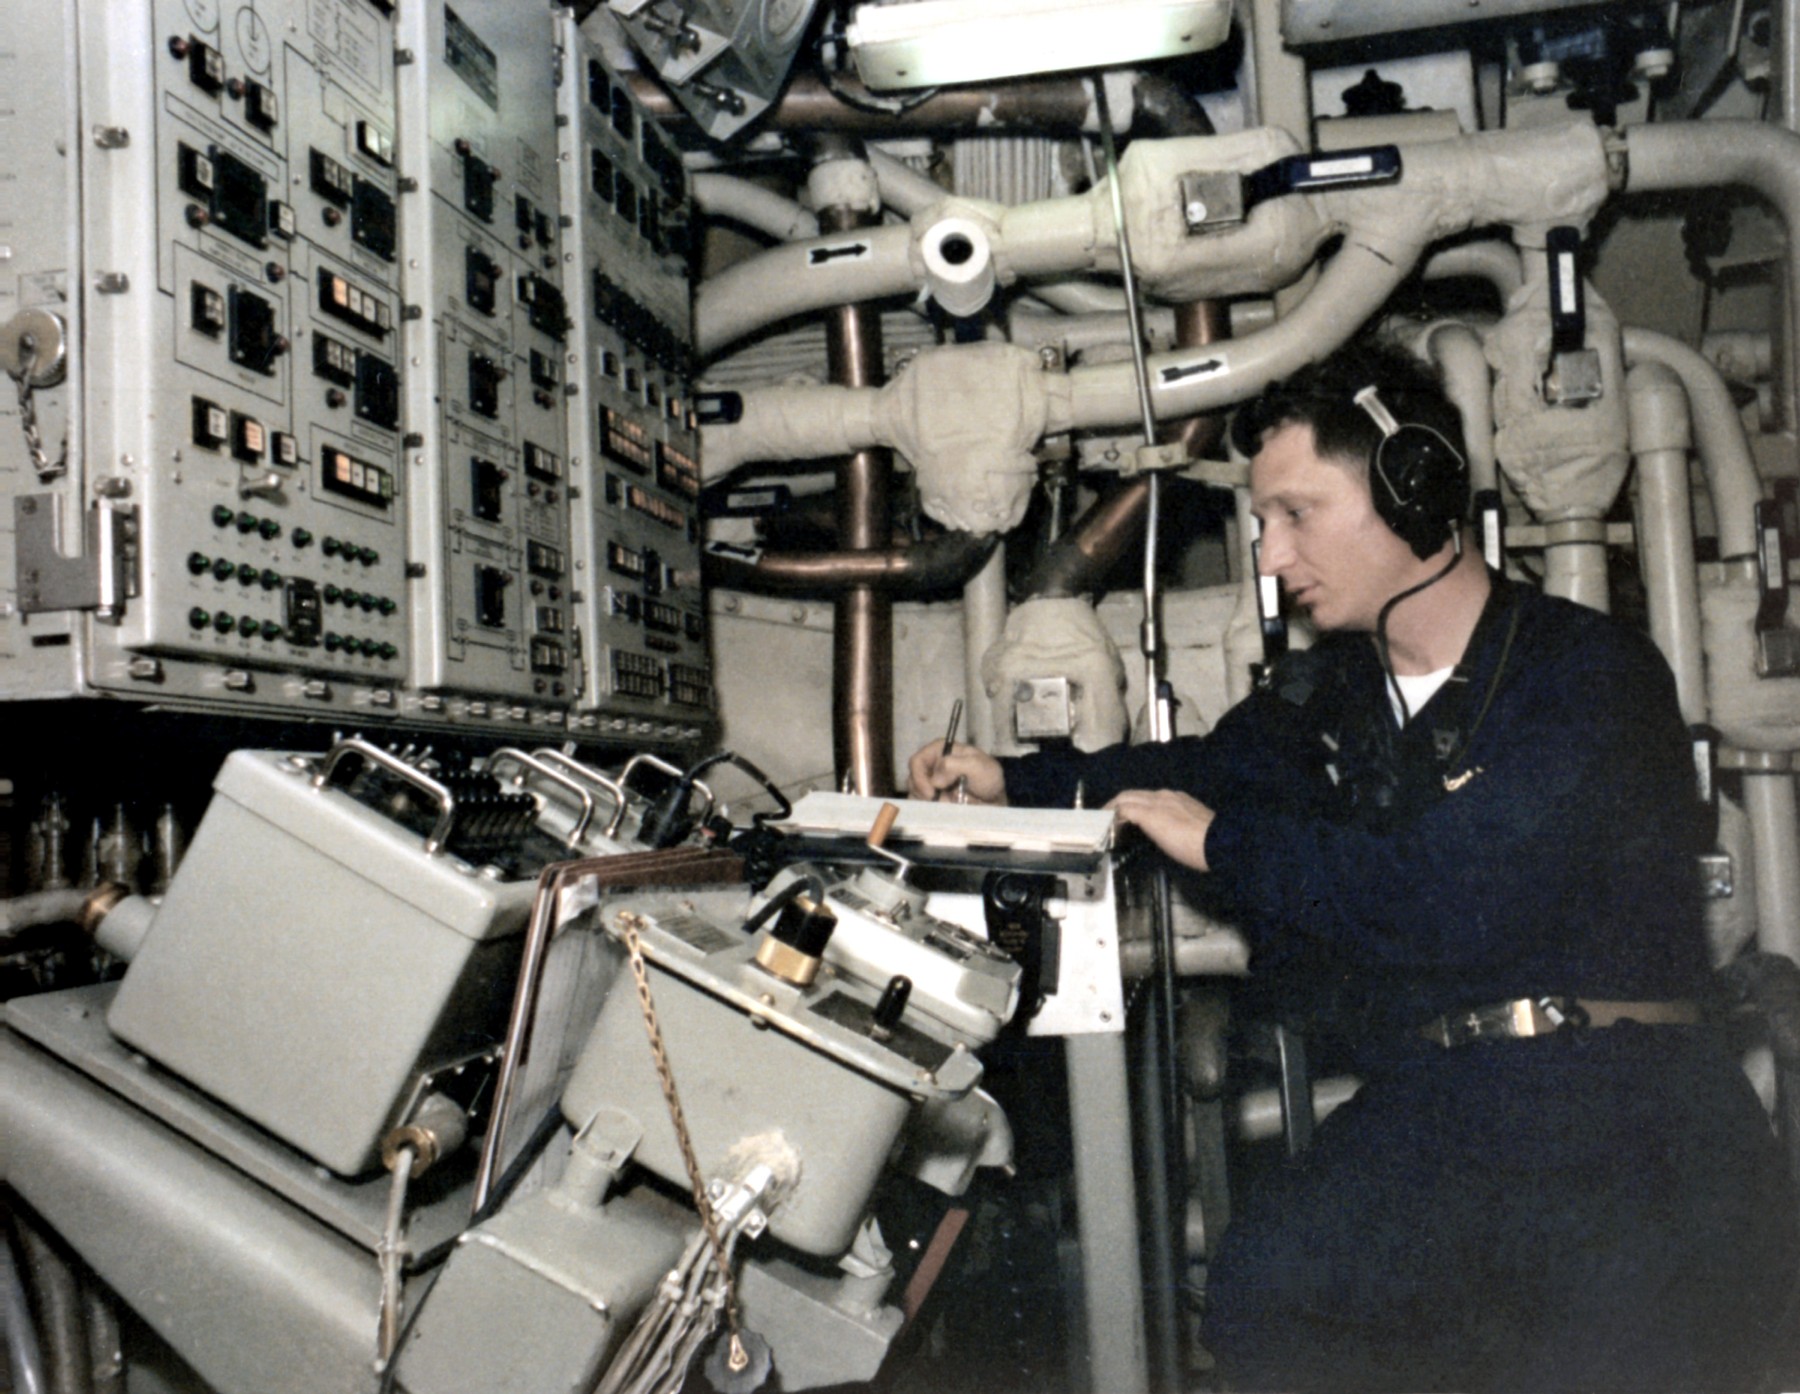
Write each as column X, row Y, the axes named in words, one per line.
column 1189, row 370
column 820, row 255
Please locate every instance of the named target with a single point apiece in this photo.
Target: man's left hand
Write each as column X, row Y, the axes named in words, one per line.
column 1175, row 822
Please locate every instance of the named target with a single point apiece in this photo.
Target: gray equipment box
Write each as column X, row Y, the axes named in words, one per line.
column 313, row 962
column 766, row 1071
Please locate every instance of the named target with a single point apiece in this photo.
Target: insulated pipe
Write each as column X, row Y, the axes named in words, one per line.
column 1742, row 355
column 749, row 203
column 1575, row 562
column 1081, row 297
column 984, row 622
column 1078, row 333
column 1489, row 260
column 1448, row 187
column 941, row 562
column 1456, row 350
column 1659, row 443
column 38, row 908
column 1708, row 154
column 1353, row 286
column 903, row 188
column 799, row 277
column 783, row 423
column 1725, row 458
column 1775, row 833
column 1075, row 562
column 863, row 619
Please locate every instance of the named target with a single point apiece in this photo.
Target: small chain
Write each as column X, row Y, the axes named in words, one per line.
column 34, row 437
column 628, row 926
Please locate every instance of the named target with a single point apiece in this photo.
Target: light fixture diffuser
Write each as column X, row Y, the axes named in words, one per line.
column 933, row 43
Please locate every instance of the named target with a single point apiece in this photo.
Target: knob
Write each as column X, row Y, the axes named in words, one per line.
column 892, row 1005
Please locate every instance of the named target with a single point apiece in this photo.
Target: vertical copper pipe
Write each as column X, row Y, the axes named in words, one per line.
column 1197, row 323
column 862, row 679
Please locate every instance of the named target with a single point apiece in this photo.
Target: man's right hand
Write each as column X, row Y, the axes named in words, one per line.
column 931, row 774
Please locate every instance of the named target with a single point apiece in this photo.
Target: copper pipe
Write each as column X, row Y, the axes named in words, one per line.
column 1198, row 323
column 862, row 681
column 1041, row 106
column 936, row 564
column 1076, row 561
column 1098, row 539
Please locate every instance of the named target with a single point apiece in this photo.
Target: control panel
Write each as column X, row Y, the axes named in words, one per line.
column 634, row 438
column 488, row 327
column 247, row 405
column 370, row 406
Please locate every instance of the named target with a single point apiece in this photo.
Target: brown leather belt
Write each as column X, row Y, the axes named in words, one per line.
column 1541, row 1016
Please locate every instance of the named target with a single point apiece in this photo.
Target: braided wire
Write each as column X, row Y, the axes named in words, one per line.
column 628, row 926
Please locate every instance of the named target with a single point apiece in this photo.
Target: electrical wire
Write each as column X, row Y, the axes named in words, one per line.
column 1381, row 622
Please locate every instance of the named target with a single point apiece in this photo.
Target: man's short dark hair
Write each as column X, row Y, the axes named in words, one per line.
column 1322, row 396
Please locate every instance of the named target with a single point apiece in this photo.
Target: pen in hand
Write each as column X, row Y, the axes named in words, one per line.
column 962, row 785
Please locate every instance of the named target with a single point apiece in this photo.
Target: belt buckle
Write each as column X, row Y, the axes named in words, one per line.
column 1519, row 1019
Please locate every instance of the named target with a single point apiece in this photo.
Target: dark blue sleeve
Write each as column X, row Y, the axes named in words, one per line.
column 1577, row 810
column 1256, row 753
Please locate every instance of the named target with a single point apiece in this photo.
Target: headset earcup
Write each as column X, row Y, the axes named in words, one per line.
column 1420, row 484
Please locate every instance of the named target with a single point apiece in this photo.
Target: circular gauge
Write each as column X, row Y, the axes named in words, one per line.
column 253, row 40
column 204, row 13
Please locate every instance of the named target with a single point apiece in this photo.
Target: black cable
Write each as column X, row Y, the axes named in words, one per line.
column 808, row 881
column 733, row 758
column 1381, row 643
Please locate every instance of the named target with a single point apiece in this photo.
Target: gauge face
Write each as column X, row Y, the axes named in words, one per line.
column 204, row 13
column 781, row 17
column 253, row 40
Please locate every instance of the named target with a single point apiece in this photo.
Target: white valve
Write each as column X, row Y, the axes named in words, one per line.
column 959, row 265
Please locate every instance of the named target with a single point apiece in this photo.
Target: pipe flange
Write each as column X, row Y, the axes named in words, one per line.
column 100, row 903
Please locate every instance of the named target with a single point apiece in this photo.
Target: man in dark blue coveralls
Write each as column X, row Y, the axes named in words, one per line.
column 1462, row 827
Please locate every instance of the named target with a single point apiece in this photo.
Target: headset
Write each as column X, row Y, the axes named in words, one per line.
column 1418, row 479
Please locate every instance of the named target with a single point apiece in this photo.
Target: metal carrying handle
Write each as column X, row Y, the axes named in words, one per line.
column 590, row 776
column 655, row 762
column 355, row 745
column 555, row 776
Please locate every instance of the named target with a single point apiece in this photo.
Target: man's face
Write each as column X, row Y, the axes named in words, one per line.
column 1321, row 535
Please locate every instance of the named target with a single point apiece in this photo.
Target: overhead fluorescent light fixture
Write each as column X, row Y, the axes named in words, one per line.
column 933, row 43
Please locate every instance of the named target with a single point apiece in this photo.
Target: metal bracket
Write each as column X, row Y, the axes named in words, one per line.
column 1212, row 200
column 48, row 581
